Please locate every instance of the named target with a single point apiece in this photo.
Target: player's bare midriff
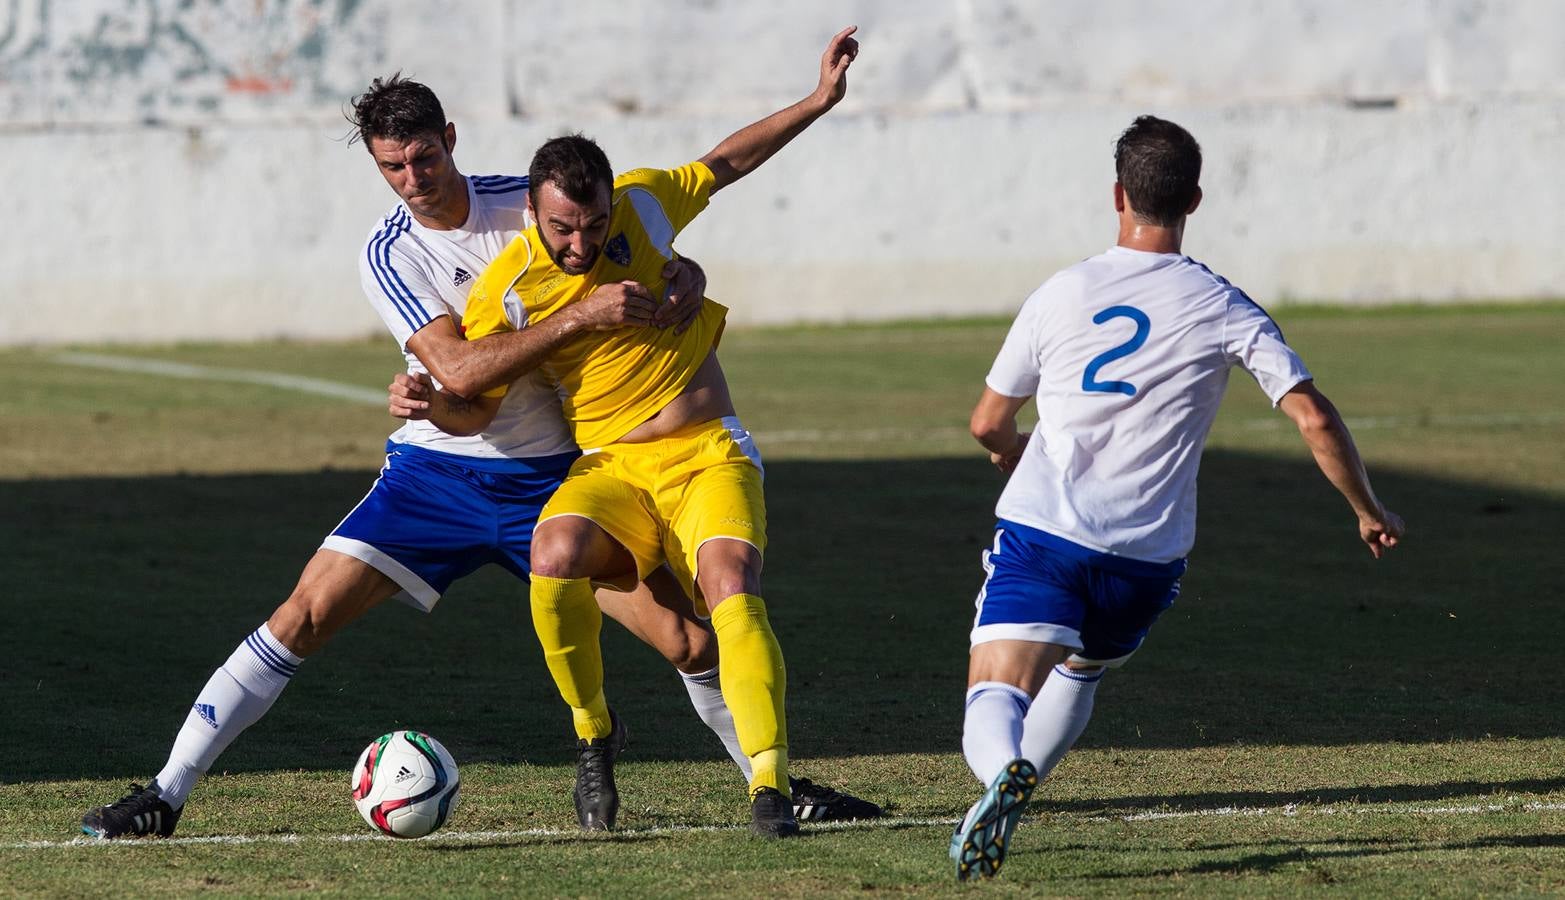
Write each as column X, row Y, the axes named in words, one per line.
column 705, row 398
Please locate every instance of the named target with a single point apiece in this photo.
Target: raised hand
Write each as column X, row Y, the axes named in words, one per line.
column 839, row 55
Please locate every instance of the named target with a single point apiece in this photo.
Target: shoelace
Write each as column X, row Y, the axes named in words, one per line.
column 805, row 788
column 590, row 766
column 137, row 797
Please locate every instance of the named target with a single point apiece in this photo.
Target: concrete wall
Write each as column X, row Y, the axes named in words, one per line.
column 178, row 169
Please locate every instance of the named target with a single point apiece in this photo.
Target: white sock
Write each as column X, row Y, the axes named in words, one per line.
column 706, row 695
column 992, row 728
column 236, row 696
column 1058, row 716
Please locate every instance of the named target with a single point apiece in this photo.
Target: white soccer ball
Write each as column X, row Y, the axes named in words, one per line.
column 405, row 784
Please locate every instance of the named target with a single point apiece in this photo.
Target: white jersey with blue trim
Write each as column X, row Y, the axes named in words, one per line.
column 413, row 274
column 1127, row 355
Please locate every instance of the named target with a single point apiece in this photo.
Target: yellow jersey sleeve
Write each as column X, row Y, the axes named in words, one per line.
column 682, row 193
column 486, row 312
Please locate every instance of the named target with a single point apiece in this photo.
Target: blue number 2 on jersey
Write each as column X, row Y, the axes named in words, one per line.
column 1089, row 380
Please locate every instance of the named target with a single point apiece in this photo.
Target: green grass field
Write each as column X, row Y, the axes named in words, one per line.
column 1303, row 721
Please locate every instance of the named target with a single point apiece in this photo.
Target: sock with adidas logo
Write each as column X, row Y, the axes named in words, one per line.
column 237, row 695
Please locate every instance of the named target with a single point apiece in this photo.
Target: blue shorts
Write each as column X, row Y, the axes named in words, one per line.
column 433, row 517
column 1044, row 588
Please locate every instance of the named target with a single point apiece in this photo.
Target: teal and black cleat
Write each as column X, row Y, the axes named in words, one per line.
column 140, row 813
column 979, row 844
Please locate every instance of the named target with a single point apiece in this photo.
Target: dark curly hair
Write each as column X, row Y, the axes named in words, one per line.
column 574, row 164
column 396, row 108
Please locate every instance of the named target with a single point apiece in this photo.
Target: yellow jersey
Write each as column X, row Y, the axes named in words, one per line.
column 609, row 381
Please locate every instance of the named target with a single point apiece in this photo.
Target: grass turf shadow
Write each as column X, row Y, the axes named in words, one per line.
column 1319, row 853
column 126, row 593
column 1366, row 794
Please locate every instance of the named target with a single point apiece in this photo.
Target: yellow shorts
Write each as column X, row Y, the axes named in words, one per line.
column 663, row 499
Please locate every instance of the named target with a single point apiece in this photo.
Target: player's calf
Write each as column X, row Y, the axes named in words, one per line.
column 333, row 590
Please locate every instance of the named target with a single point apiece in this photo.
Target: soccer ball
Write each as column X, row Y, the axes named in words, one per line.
column 405, row 784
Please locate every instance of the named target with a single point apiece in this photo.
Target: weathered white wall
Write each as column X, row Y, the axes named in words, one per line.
column 178, row 169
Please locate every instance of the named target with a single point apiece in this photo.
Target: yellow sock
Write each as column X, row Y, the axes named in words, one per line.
column 750, row 664
column 567, row 620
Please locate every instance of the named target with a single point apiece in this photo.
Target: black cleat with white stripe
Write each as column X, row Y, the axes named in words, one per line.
column 818, row 803
column 140, row 813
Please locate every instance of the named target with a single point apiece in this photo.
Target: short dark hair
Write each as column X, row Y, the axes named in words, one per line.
column 397, row 108
column 1159, row 165
column 573, row 163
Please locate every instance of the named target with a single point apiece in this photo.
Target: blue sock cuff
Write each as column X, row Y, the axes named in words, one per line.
column 1019, row 696
column 701, row 678
column 271, row 653
column 1081, row 677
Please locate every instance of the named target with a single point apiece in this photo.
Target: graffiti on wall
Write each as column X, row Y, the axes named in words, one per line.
column 112, row 61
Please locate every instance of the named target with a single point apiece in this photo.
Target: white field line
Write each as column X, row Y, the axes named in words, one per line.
column 222, row 373
column 371, row 397
column 458, row 837
column 1293, row 809
column 497, row 837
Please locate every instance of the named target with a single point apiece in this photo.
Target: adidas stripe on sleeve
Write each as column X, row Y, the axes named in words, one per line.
column 395, row 282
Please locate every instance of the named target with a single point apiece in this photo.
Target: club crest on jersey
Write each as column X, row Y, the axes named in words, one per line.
column 618, row 249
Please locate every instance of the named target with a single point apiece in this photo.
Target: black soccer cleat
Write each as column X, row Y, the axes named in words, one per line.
column 818, row 803
column 140, row 813
column 596, row 798
column 771, row 815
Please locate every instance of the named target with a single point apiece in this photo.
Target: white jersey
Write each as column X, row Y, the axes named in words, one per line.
column 413, row 274
column 1127, row 354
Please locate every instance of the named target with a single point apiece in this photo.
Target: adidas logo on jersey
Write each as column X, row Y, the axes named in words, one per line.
column 403, row 774
column 208, row 713
column 461, row 277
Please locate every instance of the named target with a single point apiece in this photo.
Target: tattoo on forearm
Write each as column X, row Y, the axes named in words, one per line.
column 455, row 405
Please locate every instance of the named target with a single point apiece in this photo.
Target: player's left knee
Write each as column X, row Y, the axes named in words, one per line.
column 558, row 554
column 727, row 568
column 720, row 586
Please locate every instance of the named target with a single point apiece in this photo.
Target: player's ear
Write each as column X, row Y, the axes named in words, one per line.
column 1119, row 197
column 1195, row 201
column 450, row 136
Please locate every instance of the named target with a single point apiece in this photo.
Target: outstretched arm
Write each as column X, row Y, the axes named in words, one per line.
column 1331, row 443
column 467, row 368
column 742, row 152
